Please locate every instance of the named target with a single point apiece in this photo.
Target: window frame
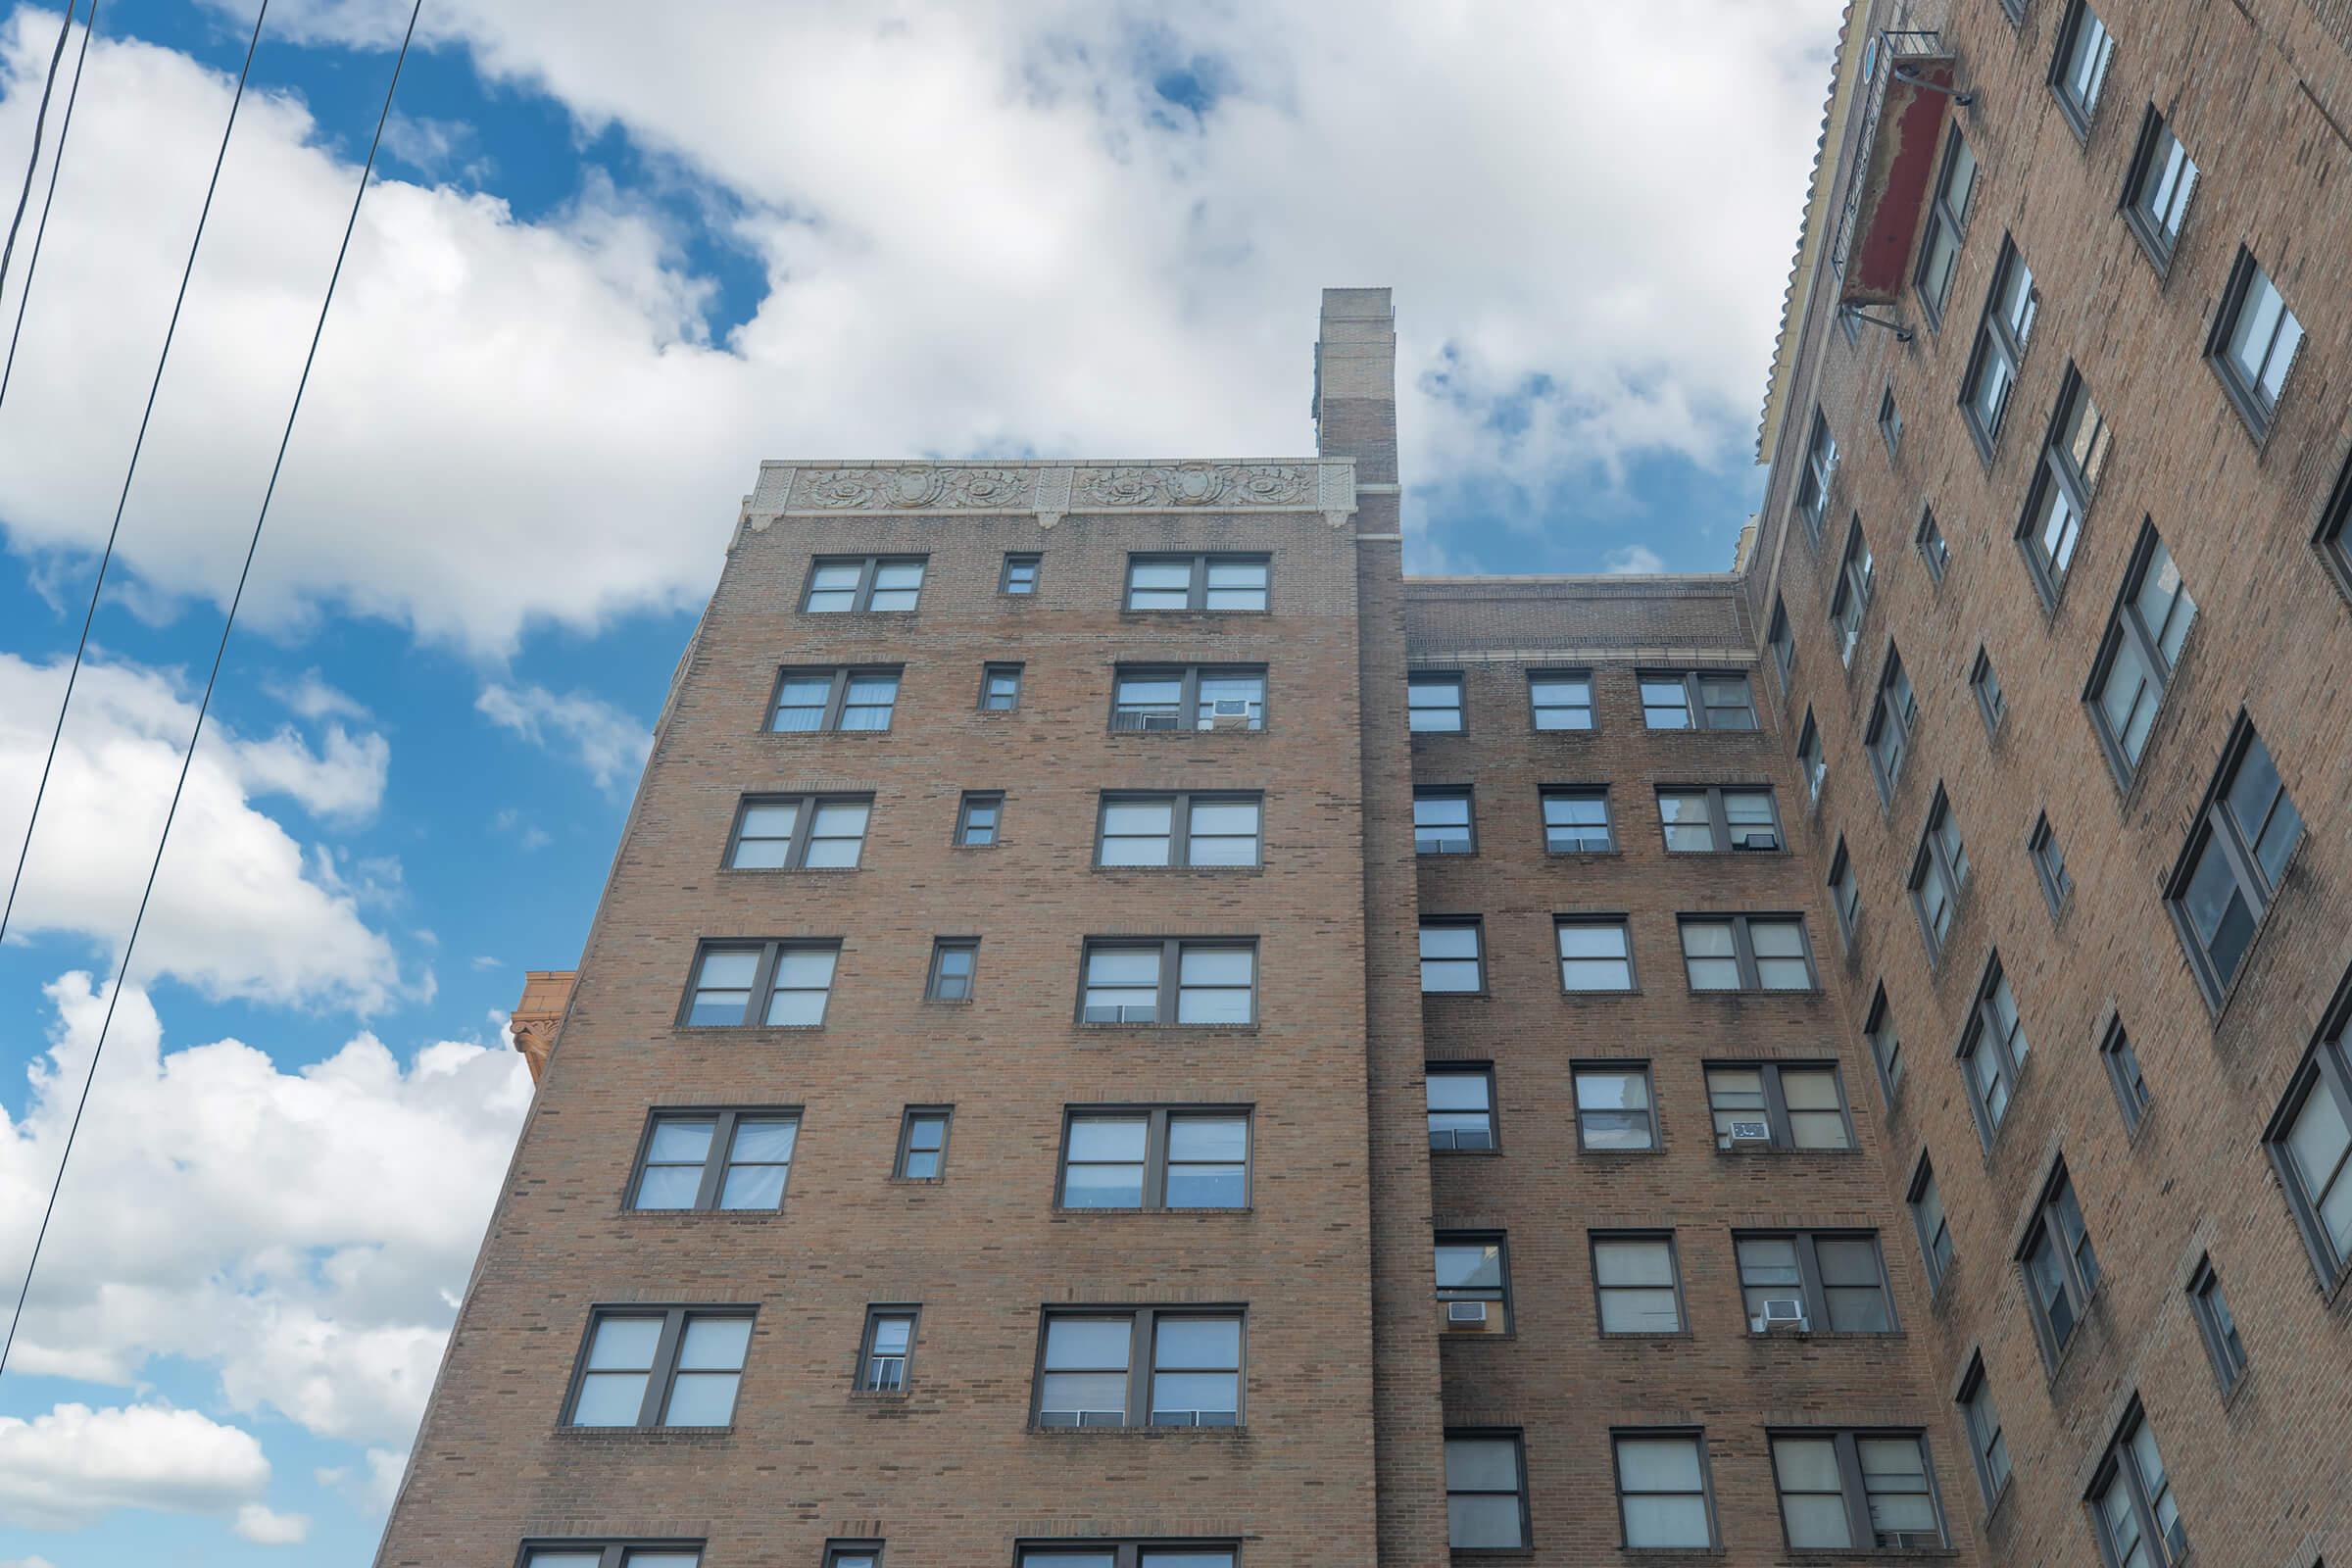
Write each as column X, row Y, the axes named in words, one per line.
column 1846, row 907
column 1143, row 1324
column 2332, row 537
column 1934, row 855
column 900, row 1156
column 1815, row 771
column 1856, row 1497
column 2326, row 1069
column 1932, row 548
column 1976, row 1387
column 965, row 804
column 1781, row 641
column 2216, row 827
column 2125, row 1075
column 2081, row 106
column 1743, row 953
column 1818, row 477
column 839, row 1554
column 770, row 951
column 1179, row 804
column 1034, row 561
column 2047, row 1227
column 661, row 1378
column 1936, row 1263
column 1997, row 335
column 2157, row 243
column 1168, row 986
column 1464, row 793
column 1125, row 1552
column 1809, row 1286
column 837, row 695
column 1474, row 1235
column 717, row 1159
column 1880, row 1019
column 2258, row 410
column 804, row 827
column 2060, row 481
column 1983, row 1032
column 1483, row 1071
column 1433, row 678
column 2217, row 1326
column 1536, row 711
column 1941, row 216
column 1001, row 670
column 2118, row 1465
column 1697, row 1438
column 1473, row 923
column 1695, row 705
column 1719, row 822
column 2049, row 865
column 937, row 974
column 876, row 1314
column 1633, row 972
column 2126, row 625
column 1776, row 1101
column 1197, row 590
column 867, row 567
column 1187, row 695
column 1849, row 600
column 1992, row 703
column 1665, row 1237
column 1890, row 423
column 610, row 1553
column 1885, row 710
column 1517, row 1438
column 1547, row 794
column 1159, row 1117
column 1641, row 1067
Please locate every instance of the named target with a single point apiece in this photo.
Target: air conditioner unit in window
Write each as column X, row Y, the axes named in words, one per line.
column 1760, row 839
column 1898, row 1539
column 1781, row 1314
column 1465, row 1311
column 1748, row 1135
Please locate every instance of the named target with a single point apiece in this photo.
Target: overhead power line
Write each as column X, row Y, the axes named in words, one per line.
column 40, row 119
column 228, row 626
column 40, row 230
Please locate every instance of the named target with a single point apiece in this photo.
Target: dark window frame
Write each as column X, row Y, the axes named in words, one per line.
column 2081, row 106
column 1781, row 639
column 1477, row 1235
column 1743, row 953
column 837, row 696
column 1983, row 1032
column 804, row 827
column 661, row 1379
column 2157, row 243
column 1775, row 1114
column 1983, row 1446
column 1810, row 1287
column 1126, row 1552
column 1933, row 547
column 1158, row 1118
column 1633, row 971
column 1548, row 793
column 1474, row 924
column 1484, row 1071
column 934, row 980
column 1188, row 698
column 1952, row 867
column 866, row 566
column 970, row 800
column 1562, row 676
column 1167, row 991
column 1818, row 477
column 2215, row 828
column 902, row 1153
column 1517, row 1438
column 2070, row 1246
column 717, row 1159
column 1179, row 804
column 1938, row 1261
column 1143, row 1320
column 993, row 671
column 2326, row 1069
column 1010, row 585
column 1454, row 679
column 1698, row 1436
column 1890, row 1068
column 610, row 1553
column 1992, row 703
column 2217, row 1326
column 1997, row 336
column 1464, row 793
column 2126, row 624
column 1894, row 702
column 2118, row 1465
column 1815, row 771
column 1890, row 423
column 2060, row 481
column 2049, row 865
column 1719, row 822
column 764, row 979
column 861, row 1375
column 1857, row 584
column 1943, row 215
column 1696, row 707
column 2257, row 409
column 1665, row 1236
column 1851, row 1484
column 1846, row 906
column 2123, row 1075
column 1197, row 590
column 1617, row 1067
column 840, row 1554
column 2332, row 537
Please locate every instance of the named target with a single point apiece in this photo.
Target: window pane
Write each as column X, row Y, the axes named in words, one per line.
column 1576, row 823
column 1688, row 823
column 1482, row 1522
column 1665, row 704
column 676, row 1141
column 1449, row 959
column 1562, row 704
column 1469, row 1265
column 1894, row 1483
column 2318, row 1146
column 2257, row 323
column 1613, row 1109
column 722, row 986
column 1816, row 1112
column 1434, row 705
column 2218, row 911
column 669, row 1186
column 1594, row 958
column 2267, row 820
column 1850, row 1277
column 1710, row 954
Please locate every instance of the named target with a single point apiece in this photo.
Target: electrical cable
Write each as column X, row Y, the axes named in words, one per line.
column 40, row 118
column 252, row 547
column 82, row 648
column 57, row 161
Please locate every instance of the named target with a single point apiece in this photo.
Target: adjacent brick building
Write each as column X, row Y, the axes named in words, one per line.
column 1125, row 1031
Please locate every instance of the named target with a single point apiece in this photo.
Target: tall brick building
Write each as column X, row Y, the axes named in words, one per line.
column 1125, row 1033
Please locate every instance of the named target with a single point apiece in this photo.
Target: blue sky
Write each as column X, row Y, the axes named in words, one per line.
column 607, row 273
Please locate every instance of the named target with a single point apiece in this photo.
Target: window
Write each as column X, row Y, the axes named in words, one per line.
column 1613, row 1109
column 2253, row 343
column 2310, row 1142
column 1932, row 548
column 1846, row 894
column 1782, row 642
column 1848, row 1489
column 1197, row 582
column 1486, row 1491
column 1153, row 1366
column 1019, row 576
column 1433, row 702
column 1474, row 1282
column 978, row 817
column 1821, row 469
column 1214, row 696
column 1637, row 1283
column 2071, row 466
column 840, row 583
column 1696, row 700
column 1778, row 1105
column 1000, row 688
column 1993, row 1050
column 2084, row 48
column 1885, row 1044
column 2123, row 1070
column 2157, row 190
column 1990, row 704
column 1157, row 1158
column 1577, row 822
column 2131, row 1498
column 1894, row 715
column 1662, row 1490
column 1890, row 423
column 1461, row 1107
column 797, row 832
column 1596, row 954
column 1851, row 599
column 715, row 1160
column 2245, row 832
column 612, row 1555
column 1833, row 1279
column 2000, row 348
column 1810, row 760
column 2062, row 1271
column 953, row 961
column 1947, row 221
column 1927, row 1217
column 814, row 701
column 2220, row 1329
column 1132, row 1555
column 1196, row 983
column 1985, row 1444
column 886, row 1351
column 1441, row 822
column 2151, row 622
column 2335, row 534
column 670, row 1367
column 1561, row 701
column 923, row 1143
column 796, row 979
column 1938, row 874
column 1746, row 953
column 1452, row 957
column 2049, row 865
column 1203, row 831
column 852, row 1554
column 1718, row 817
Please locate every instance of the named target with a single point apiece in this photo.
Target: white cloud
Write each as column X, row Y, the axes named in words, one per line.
column 64, row 1470
column 610, row 744
column 1023, row 248
column 266, row 1527
column 372, row 1493
column 235, row 913
column 1632, row 559
column 311, row 696
column 302, row 1232
column 26, row 1562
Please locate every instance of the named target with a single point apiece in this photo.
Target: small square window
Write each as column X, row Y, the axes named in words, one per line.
column 1461, row 1107
column 1019, row 576
column 2158, row 188
column 2220, row 1329
column 1453, row 957
column 1441, row 822
column 886, row 1351
column 1664, row 1499
column 1474, row 1283
column 1561, row 700
column 2049, row 865
column 1890, row 423
column 1575, row 821
column 1596, row 953
column 1614, row 1107
column 1932, row 548
column 1000, row 688
column 1637, row 1282
column 1434, row 703
column 2253, row 343
column 923, row 1143
column 978, row 818
column 2123, row 1070
column 953, row 963
column 2084, row 50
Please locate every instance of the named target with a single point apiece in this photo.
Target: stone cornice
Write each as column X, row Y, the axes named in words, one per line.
column 1054, row 490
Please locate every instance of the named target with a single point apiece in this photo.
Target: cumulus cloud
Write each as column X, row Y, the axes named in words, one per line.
column 606, row 742
column 1632, row 559
column 371, row 1492
column 307, row 1233
column 267, row 1527
column 308, row 696
column 65, row 1469
column 237, row 911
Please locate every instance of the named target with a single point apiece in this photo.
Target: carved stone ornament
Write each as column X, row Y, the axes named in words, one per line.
column 1197, row 484
column 915, row 487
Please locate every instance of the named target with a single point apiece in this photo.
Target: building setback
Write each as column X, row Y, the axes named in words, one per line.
column 1125, row 1033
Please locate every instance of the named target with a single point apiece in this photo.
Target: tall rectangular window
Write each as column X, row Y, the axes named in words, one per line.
column 1153, row 1366
column 847, row 583
column 2062, row 1270
column 2334, row 536
column 1710, row 818
column 1637, row 1283
column 1662, row 1492
column 1815, row 1280
column 1746, row 953
column 1938, row 873
column 1845, row 1489
column 1019, row 574
column 2216, row 1324
column 2157, row 190
column 1696, row 700
column 922, row 1154
column 2079, row 70
column 1614, row 1112
column 1993, row 1050
column 781, row 984
column 1776, row 1104
column 1890, row 423
column 1991, row 706
column 1986, row 1444
column 1441, row 822
column 1857, row 572
column 2049, row 865
column 1155, row 1157
column 954, row 966
column 834, row 701
column 1191, row 982
column 1474, row 1282
column 2000, row 348
column 1846, row 894
column 1575, row 821
column 803, row 832
column 1560, row 699
column 1486, row 1491
column 1894, row 715
column 1932, row 548
column 2123, row 1071
column 2131, row 1500
column 1452, row 957
column 2153, row 613
column 1204, row 831
column 657, row 1366
column 1433, row 702
column 1885, row 1044
column 1201, row 583
column 978, row 817
column 886, row 1350
column 2253, row 343
column 1811, row 763
column 715, row 1160
column 2310, row 1144
column 1948, row 222
column 1821, row 469
column 2073, row 460
column 1174, row 699
column 1596, row 953
column 1782, row 642
column 1461, row 1107
column 2246, row 831
column 1000, row 688
column 1927, row 1220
